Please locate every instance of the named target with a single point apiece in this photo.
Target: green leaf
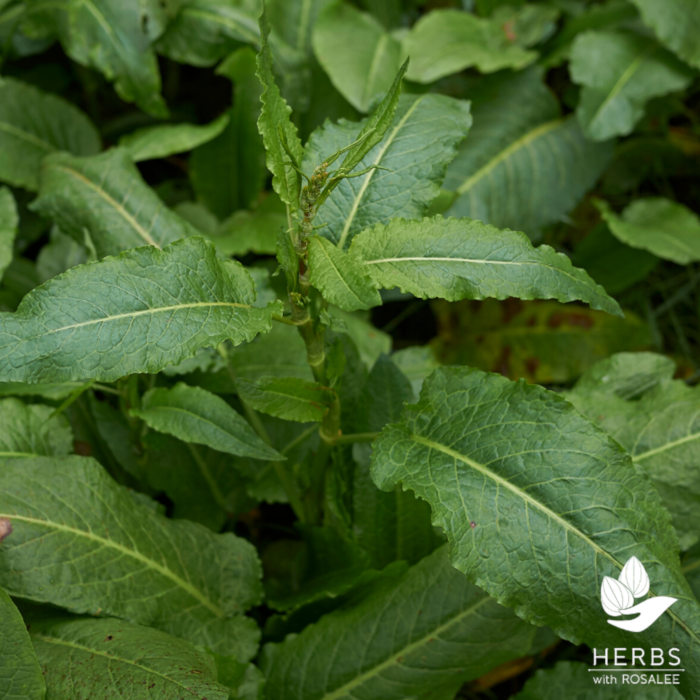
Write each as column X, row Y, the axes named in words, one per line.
column 340, row 277
column 659, row 424
column 113, row 38
column 620, row 73
column 538, row 505
column 464, row 259
column 294, row 20
column 82, row 542
column 289, row 398
column 58, row 255
column 165, row 140
column 33, row 124
column 429, row 628
column 253, row 231
column 528, row 170
column 443, row 42
column 540, row 341
column 9, row 221
column 568, row 679
column 413, row 156
column 676, row 23
column 195, row 415
column 113, row 658
column 663, row 227
column 32, row 430
column 105, row 198
column 20, row 673
column 138, row 312
column 276, row 128
column 356, row 52
column 205, row 31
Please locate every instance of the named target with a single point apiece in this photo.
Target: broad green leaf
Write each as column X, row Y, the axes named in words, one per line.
column 195, row 415
column 294, row 20
column 52, row 392
column 540, row 341
column 659, row 424
column 665, row 228
column 114, row 38
column 104, row 198
column 139, row 312
column 276, row 128
column 20, row 673
column 538, row 505
column 165, row 140
column 289, row 398
column 426, row 629
column 620, row 73
column 84, row 543
column 528, row 170
column 676, row 23
column 253, row 231
column 203, row 484
column 340, row 277
column 58, row 255
column 32, row 125
column 31, row 430
column 228, row 172
column 571, row 680
column 205, row 31
column 90, row 658
column 8, row 227
column 358, row 54
column 690, row 565
column 465, row 259
column 527, row 25
column 447, row 41
column 412, row 156
column 366, row 337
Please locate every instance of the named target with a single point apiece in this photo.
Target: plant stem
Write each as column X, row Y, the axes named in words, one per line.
column 355, row 437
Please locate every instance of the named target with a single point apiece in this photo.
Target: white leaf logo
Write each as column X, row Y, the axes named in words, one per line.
column 615, row 596
column 634, row 576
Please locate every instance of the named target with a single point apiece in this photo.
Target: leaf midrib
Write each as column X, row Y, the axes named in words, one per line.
column 403, row 651
column 110, row 544
column 112, row 657
column 27, row 136
column 667, row 446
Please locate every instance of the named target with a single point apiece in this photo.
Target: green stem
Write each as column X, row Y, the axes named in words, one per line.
column 355, row 437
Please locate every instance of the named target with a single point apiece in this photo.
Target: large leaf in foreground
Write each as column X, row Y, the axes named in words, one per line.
column 619, row 73
column 466, row 259
column 34, row 124
column 413, row 156
column 105, row 198
column 137, row 312
column 90, row 658
column 196, row 415
column 426, row 630
column 538, row 504
column 82, row 542
column 20, row 674
column 32, row 431
column 527, row 170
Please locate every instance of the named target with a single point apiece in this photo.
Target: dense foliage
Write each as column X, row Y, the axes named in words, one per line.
column 347, row 349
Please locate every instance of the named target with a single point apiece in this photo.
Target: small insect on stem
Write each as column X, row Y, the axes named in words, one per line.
column 472, row 524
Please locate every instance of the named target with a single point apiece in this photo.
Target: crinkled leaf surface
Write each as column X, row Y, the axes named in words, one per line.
column 28, row 430
column 82, row 542
column 466, row 259
column 400, row 640
column 105, row 198
column 676, row 23
column 413, row 156
column 20, row 673
column 659, row 424
column 90, row 658
column 196, row 415
column 138, row 312
column 8, row 227
column 166, row 139
column 112, row 37
column 665, row 228
column 619, row 73
column 447, row 41
column 523, row 166
column 538, row 505
column 32, row 125
column 359, row 55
